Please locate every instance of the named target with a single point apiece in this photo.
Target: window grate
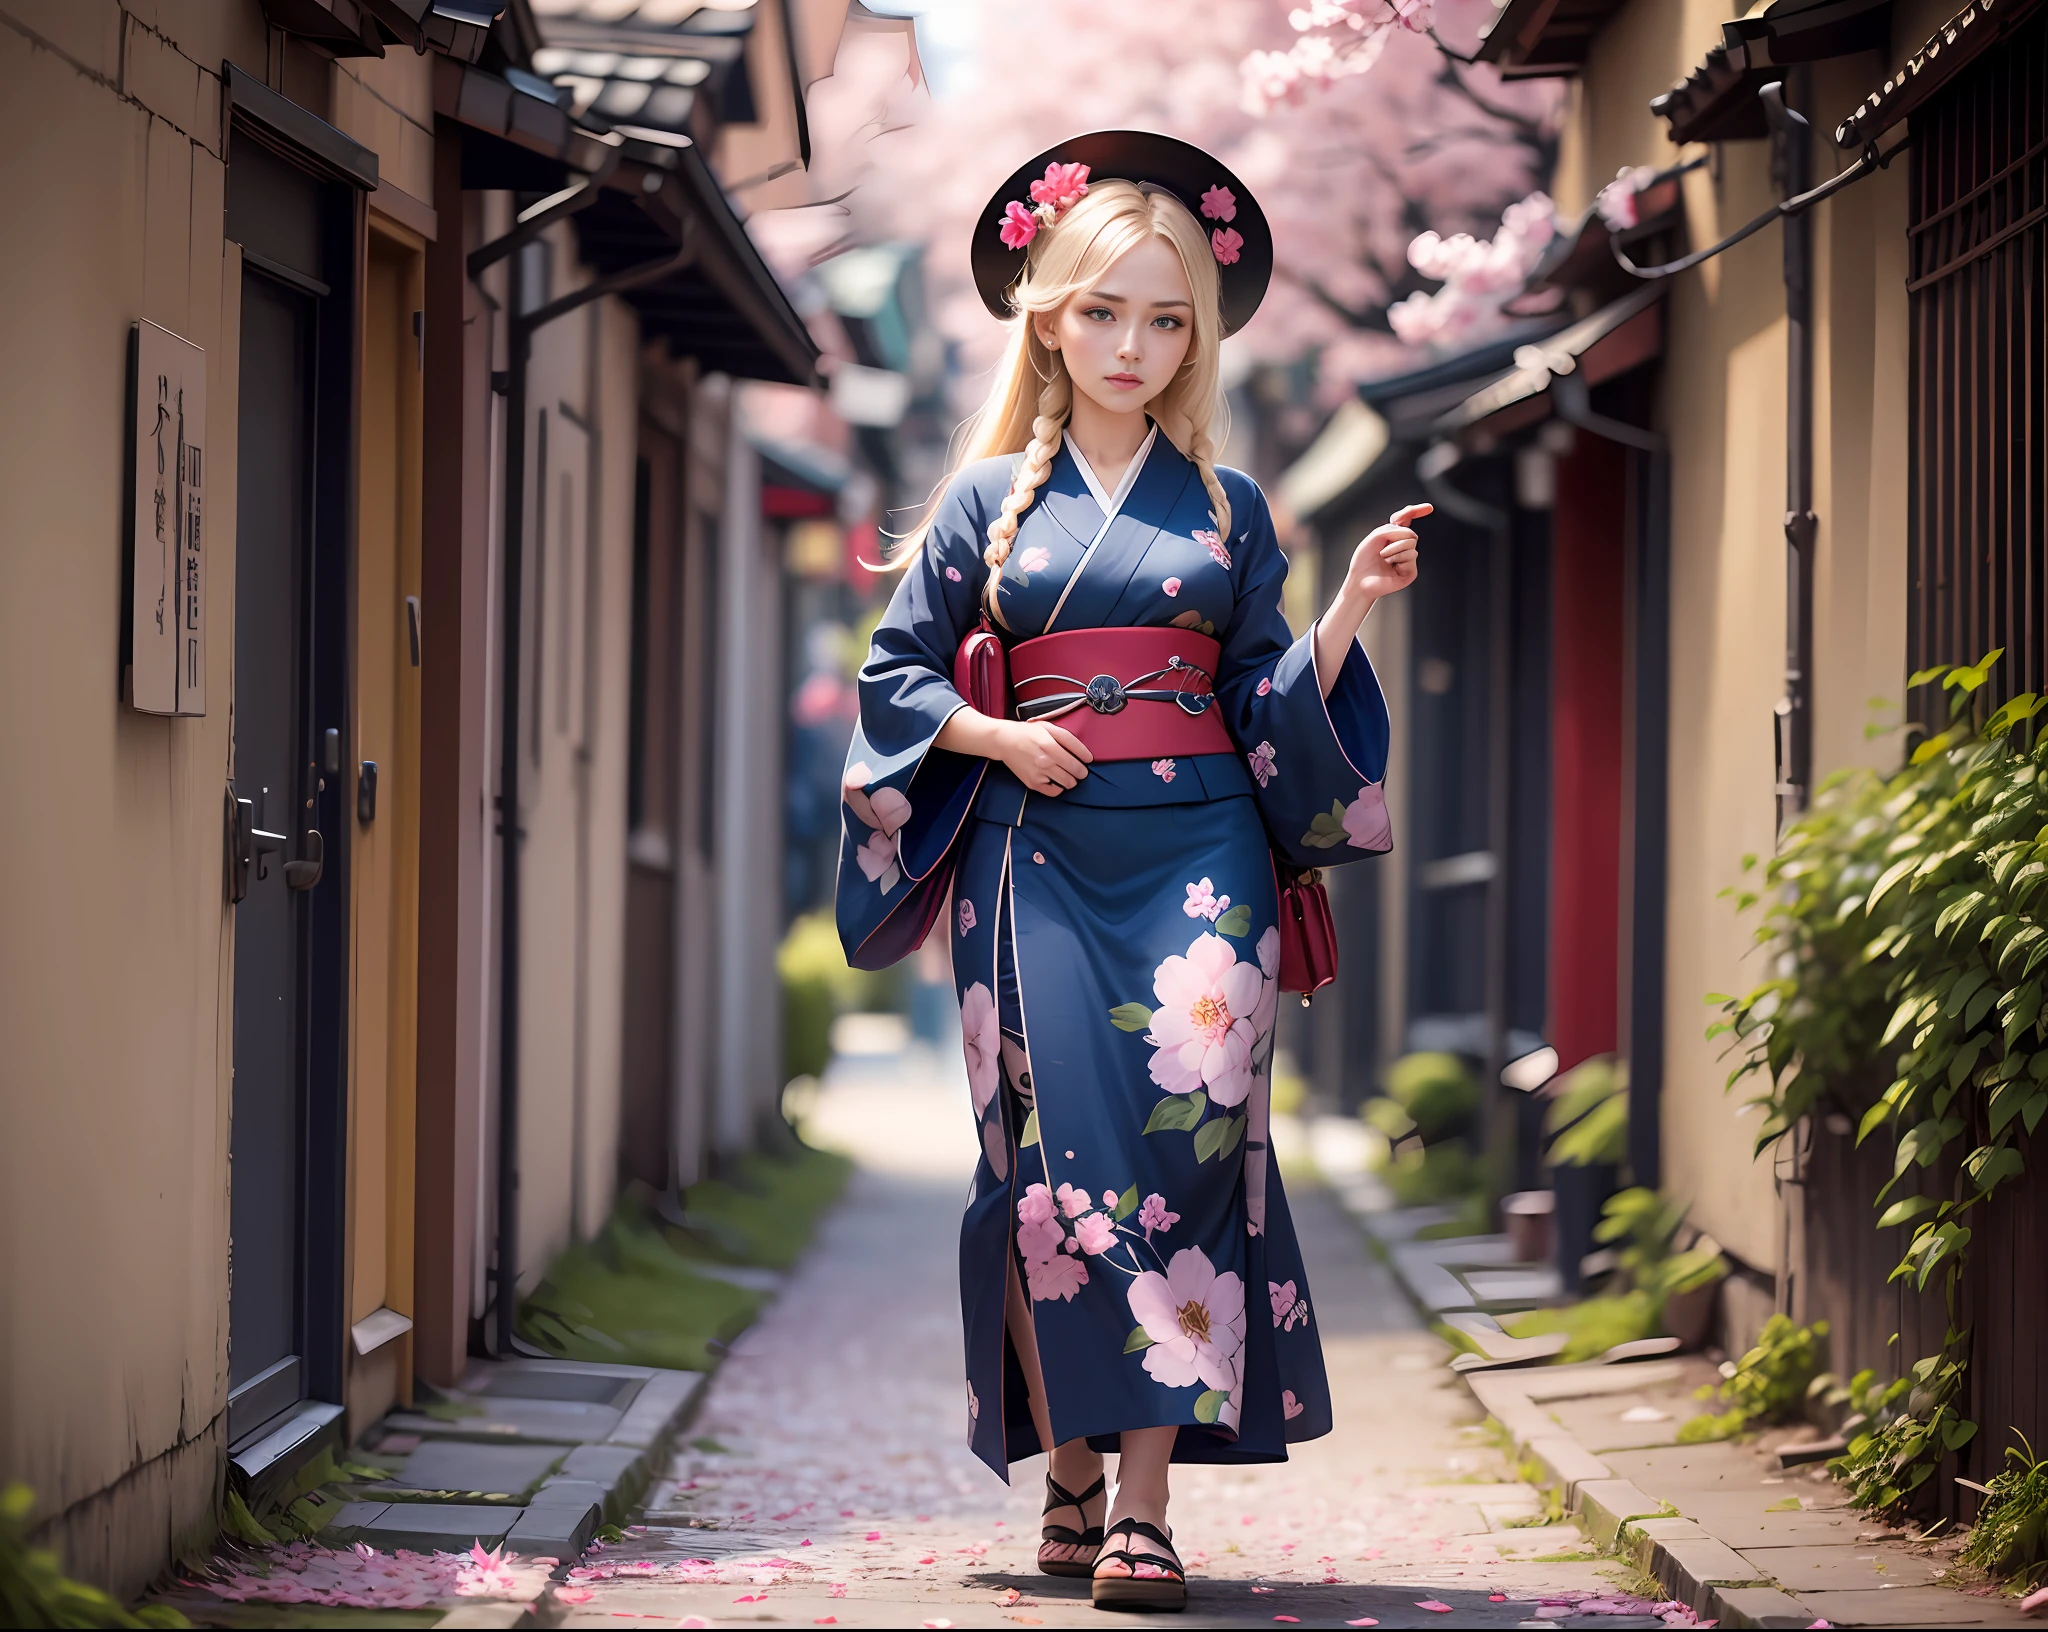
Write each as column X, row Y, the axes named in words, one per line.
column 1978, row 291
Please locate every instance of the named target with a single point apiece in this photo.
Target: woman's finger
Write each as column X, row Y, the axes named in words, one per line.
column 1395, row 535
column 1073, row 744
column 1061, row 763
column 1410, row 512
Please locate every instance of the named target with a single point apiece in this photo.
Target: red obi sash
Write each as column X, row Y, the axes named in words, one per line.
column 1131, row 693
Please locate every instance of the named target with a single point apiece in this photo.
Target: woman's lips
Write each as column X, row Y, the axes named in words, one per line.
column 1125, row 380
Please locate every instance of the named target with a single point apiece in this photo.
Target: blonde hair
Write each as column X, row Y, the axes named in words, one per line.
column 1027, row 408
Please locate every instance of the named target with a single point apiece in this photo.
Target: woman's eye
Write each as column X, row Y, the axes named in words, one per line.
column 1099, row 314
column 1164, row 321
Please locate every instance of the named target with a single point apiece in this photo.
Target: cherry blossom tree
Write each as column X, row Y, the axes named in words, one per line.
column 1350, row 166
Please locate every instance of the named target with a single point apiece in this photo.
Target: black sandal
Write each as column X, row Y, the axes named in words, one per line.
column 1167, row 1590
column 1058, row 1496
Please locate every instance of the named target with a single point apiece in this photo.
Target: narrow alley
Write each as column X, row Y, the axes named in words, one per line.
column 828, row 1480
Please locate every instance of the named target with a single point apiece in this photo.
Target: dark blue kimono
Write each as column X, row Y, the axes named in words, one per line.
column 1116, row 953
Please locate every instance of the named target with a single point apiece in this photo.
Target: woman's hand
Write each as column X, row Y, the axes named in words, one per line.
column 1046, row 758
column 1383, row 564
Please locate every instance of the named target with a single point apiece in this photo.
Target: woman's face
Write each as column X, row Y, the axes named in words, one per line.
column 1125, row 337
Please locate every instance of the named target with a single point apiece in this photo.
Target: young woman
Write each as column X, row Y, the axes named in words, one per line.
column 1129, row 1274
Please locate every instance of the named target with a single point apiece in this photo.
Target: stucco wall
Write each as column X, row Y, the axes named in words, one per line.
column 1723, row 407
column 115, row 959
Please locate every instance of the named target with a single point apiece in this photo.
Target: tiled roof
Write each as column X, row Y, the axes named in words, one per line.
column 644, row 63
column 1950, row 49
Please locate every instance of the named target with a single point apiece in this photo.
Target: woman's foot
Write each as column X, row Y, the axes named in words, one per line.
column 1072, row 1533
column 1139, row 1569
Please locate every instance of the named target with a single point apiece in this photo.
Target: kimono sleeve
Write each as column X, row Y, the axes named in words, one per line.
column 1318, row 763
column 903, row 801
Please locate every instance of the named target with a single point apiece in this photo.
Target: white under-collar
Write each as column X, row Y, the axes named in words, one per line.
column 1111, row 503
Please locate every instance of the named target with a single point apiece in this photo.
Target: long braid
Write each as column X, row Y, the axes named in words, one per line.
column 1202, row 450
column 1055, row 398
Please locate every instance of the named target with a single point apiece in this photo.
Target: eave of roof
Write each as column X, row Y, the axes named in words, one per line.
column 1533, row 39
column 1948, row 51
column 1621, row 336
column 1717, row 101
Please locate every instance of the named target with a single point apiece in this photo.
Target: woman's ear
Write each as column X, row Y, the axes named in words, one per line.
column 1042, row 326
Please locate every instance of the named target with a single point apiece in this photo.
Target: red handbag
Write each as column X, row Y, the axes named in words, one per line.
column 1308, row 935
column 981, row 671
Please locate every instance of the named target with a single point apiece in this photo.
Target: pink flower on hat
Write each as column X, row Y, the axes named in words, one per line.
column 1064, row 186
column 1219, row 204
column 1226, row 242
column 1019, row 226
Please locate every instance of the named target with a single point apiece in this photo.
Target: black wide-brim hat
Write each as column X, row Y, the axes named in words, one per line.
column 1181, row 168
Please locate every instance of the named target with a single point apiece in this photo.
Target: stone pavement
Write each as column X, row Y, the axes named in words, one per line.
column 828, row 1480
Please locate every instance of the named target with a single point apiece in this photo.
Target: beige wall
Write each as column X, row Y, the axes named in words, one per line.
column 1723, row 408
column 116, row 960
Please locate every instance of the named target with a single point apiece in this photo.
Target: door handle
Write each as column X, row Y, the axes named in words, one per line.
column 249, row 845
column 304, row 873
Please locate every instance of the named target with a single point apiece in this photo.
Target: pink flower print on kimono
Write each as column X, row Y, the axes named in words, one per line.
column 981, row 1040
column 1211, row 541
column 1202, row 1032
column 1154, row 1216
column 1095, row 1233
column 1366, row 823
column 1261, row 761
column 1171, row 587
column 1290, row 1309
column 1204, row 902
column 885, row 811
column 1035, row 559
column 1195, row 1319
column 1290, row 1407
column 967, row 917
column 1163, row 769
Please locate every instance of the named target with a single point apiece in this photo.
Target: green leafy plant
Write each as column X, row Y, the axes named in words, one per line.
column 1906, row 921
column 1435, row 1092
column 35, row 1591
column 2010, row 1537
column 1643, row 1228
column 1586, row 1121
column 1592, row 1326
column 1769, row 1384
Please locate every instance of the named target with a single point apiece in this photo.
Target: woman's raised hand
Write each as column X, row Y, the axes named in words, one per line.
column 1384, row 562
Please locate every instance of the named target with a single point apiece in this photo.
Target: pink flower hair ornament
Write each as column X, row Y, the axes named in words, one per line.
column 1040, row 191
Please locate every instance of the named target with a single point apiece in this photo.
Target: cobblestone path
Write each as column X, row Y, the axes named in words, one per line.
column 829, row 1481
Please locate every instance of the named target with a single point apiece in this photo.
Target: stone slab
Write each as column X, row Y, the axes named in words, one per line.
column 560, row 1527
column 1599, row 1425
column 1584, row 1382
column 1537, row 1540
column 1605, row 1505
column 1743, row 1519
column 1912, row 1606
column 1843, row 1567
column 587, row 1382
column 1760, row 1606
column 501, row 1420
column 510, row 1470
column 659, row 1409
column 1508, row 1403
column 1673, row 1470
column 424, row 1527
column 1567, row 1463
column 620, row 1470
column 477, row 1617
column 1689, row 1565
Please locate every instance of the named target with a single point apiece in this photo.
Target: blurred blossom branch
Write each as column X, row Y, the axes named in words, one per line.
column 1477, row 275
column 1339, row 39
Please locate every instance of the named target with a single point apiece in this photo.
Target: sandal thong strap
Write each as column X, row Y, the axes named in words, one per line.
column 1169, row 1565
column 1058, row 1496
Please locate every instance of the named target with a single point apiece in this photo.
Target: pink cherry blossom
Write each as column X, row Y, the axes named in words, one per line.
column 1219, row 203
column 1035, row 1206
column 1059, row 1276
column 1281, row 1294
column 1207, row 537
column 1095, row 1233
column 953, row 573
column 1617, row 200
column 1202, row 1033
column 1195, row 1318
column 1261, row 759
column 1154, row 1216
column 1367, row 825
column 1035, row 559
column 891, row 809
column 1019, row 226
column 967, row 918
column 981, row 1037
column 1226, row 243
column 1264, row 687
column 1477, row 275
column 1163, row 769
column 1202, row 901
column 1040, row 1240
column 1290, row 1407
column 1171, row 586
column 877, row 861
column 1073, row 1202
column 1109, row 1198
column 1064, row 186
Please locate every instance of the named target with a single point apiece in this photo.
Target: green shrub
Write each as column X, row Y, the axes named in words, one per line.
column 2010, row 1537
column 1769, row 1384
column 1423, row 1176
column 1587, row 1118
column 1436, row 1093
column 1643, row 1227
column 818, row 985
column 1593, row 1325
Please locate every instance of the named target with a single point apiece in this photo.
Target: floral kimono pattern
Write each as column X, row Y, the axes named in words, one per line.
column 1116, row 953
